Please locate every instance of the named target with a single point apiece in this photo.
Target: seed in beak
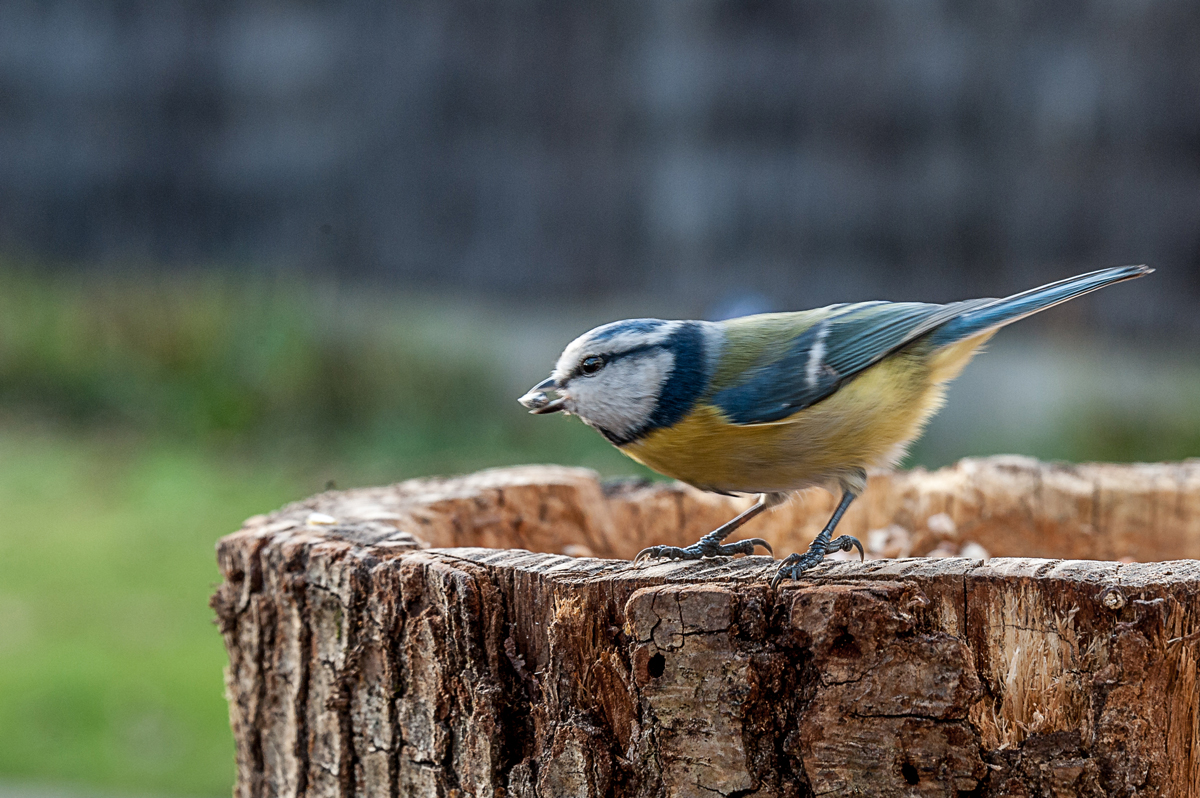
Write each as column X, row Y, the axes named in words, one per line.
column 552, row 407
column 535, row 400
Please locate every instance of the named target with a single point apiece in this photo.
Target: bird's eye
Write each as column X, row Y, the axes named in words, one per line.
column 590, row 365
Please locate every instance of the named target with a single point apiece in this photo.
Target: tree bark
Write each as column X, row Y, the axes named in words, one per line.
column 363, row 663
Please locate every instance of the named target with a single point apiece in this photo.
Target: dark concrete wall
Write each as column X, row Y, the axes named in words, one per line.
column 806, row 152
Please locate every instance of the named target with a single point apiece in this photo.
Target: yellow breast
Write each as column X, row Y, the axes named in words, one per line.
column 866, row 423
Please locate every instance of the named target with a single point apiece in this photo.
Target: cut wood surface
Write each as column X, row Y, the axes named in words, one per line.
column 364, row 661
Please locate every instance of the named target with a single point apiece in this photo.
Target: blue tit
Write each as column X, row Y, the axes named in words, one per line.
column 780, row 402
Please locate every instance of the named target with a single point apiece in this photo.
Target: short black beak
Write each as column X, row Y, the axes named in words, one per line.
column 537, row 401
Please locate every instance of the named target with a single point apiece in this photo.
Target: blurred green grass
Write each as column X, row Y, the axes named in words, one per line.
column 143, row 416
column 110, row 670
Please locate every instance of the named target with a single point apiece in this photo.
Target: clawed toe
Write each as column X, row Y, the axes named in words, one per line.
column 710, row 544
column 692, row 552
column 845, row 543
column 793, row 570
column 656, row 552
column 760, row 542
column 744, row 547
column 701, row 549
column 796, row 564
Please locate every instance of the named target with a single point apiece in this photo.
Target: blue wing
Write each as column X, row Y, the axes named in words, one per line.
column 825, row 355
column 852, row 337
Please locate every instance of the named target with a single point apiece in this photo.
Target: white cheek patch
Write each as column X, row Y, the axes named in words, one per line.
column 623, row 395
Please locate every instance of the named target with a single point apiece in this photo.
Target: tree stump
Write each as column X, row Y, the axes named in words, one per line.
column 431, row 639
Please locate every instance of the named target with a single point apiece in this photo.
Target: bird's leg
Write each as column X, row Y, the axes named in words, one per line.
column 710, row 544
column 795, row 564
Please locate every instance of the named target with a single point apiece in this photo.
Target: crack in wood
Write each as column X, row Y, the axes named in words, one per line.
column 358, row 668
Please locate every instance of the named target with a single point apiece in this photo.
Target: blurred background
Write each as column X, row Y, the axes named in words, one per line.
column 256, row 248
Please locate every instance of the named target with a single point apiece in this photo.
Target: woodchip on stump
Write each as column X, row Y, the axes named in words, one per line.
column 430, row 639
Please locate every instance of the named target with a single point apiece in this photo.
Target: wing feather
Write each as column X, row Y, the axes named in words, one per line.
column 826, row 354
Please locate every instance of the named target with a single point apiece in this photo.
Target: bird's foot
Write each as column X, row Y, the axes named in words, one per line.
column 795, row 564
column 704, row 547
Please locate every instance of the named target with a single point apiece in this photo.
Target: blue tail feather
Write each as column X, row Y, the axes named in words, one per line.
column 1000, row 312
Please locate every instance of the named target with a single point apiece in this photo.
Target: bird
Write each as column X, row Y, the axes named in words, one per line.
column 776, row 403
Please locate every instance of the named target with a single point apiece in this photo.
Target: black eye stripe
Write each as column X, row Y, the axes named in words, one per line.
column 613, row 358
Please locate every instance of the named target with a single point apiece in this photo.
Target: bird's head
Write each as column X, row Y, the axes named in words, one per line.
column 627, row 377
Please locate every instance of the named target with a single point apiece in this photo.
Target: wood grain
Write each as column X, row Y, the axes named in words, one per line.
column 364, row 663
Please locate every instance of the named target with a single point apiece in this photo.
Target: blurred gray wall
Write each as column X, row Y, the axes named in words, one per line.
column 795, row 152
